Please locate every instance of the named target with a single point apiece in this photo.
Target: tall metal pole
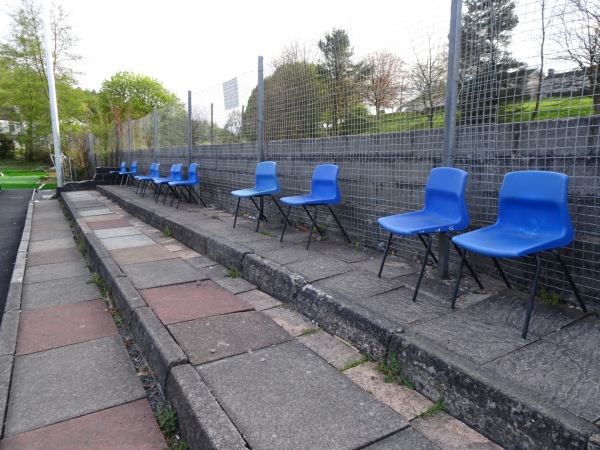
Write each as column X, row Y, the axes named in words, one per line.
column 189, row 130
column 450, row 114
column 129, row 142
column 155, row 125
column 52, row 96
column 260, row 112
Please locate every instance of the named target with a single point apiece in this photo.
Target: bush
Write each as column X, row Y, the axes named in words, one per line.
column 7, row 146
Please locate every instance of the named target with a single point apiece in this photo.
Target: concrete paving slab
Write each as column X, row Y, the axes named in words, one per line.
column 394, row 267
column 331, row 348
column 95, row 212
column 129, row 426
column 406, row 402
column 549, row 371
column 287, row 255
column 357, row 285
column 6, row 364
column 189, row 301
column 290, row 319
column 219, row 337
column 50, row 226
column 305, row 402
column 61, row 255
column 397, row 306
column 162, row 273
column 477, row 340
column 235, row 285
column 186, row 253
column 448, row 433
column 51, row 245
column 58, row 292
column 67, row 382
column 509, row 307
column 405, row 439
column 48, row 272
column 259, row 300
column 201, row 262
column 109, row 216
column 50, row 234
column 137, row 240
column 101, row 225
column 136, row 255
column 319, row 267
column 117, row 232
column 582, row 337
column 58, row 326
column 342, row 251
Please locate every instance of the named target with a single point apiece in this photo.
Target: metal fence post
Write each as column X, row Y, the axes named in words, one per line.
column 450, row 115
column 260, row 111
column 155, row 124
column 189, row 130
column 129, row 142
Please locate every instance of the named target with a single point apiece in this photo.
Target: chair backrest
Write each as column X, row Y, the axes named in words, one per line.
column 266, row 177
column 156, row 169
column 325, row 183
column 134, row 169
column 535, row 201
column 123, row 166
column 152, row 169
column 193, row 173
column 445, row 195
column 176, row 172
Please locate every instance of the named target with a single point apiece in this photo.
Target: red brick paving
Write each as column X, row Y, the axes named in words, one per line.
column 57, row 326
column 129, row 426
column 108, row 224
column 189, row 301
column 145, row 253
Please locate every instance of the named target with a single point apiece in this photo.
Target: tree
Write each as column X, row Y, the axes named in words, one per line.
column 580, row 41
column 232, row 132
column 485, row 62
column 387, row 81
column 127, row 95
column 428, row 79
column 344, row 80
column 24, row 82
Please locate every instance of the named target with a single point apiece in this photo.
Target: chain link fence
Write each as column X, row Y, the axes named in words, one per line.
column 527, row 96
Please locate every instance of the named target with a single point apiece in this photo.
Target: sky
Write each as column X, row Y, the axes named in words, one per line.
column 191, row 45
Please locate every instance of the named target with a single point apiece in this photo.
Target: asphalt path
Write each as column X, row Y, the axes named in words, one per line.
column 13, row 211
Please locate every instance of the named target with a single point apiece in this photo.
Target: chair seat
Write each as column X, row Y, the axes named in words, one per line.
column 183, row 183
column 300, row 200
column 252, row 192
column 421, row 222
column 144, row 177
column 161, row 180
column 498, row 241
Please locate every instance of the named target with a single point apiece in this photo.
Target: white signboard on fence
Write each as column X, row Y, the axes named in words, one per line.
column 230, row 94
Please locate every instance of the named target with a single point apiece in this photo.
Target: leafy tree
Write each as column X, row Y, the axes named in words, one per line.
column 127, row 95
column 485, row 62
column 232, row 132
column 387, row 82
column 344, row 80
column 23, row 77
column 428, row 79
column 580, row 40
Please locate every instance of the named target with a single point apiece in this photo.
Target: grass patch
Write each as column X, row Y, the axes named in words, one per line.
column 393, row 372
column 309, row 331
column 19, row 178
column 436, row 408
column 550, row 298
column 98, row 281
column 167, row 232
column 233, row 272
column 267, row 233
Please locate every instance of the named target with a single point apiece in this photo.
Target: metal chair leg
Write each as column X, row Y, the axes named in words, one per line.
column 339, row 224
column 534, row 286
column 458, row 275
column 285, row 223
column 571, row 282
column 387, row 247
column 428, row 251
column 314, row 223
column 237, row 208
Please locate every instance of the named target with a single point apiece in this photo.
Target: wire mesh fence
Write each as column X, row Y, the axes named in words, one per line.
column 527, row 97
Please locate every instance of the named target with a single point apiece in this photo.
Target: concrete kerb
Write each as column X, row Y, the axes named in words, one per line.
column 272, row 278
column 202, row 421
column 485, row 403
column 156, row 344
column 127, row 298
column 10, row 320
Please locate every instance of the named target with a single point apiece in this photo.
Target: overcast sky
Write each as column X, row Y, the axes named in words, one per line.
column 192, row 45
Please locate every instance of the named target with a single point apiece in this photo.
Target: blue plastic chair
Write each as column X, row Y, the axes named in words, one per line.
column 125, row 174
column 324, row 192
column 174, row 175
column 179, row 188
column 445, row 211
column 122, row 168
column 533, row 217
column 142, row 180
column 267, row 184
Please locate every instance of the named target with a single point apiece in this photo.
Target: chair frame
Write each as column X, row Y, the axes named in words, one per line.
column 178, row 188
column 132, row 171
column 313, row 218
column 142, row 180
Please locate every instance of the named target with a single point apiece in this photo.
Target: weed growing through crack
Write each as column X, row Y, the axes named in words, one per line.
column 166, row 416
column 309, row 331
column 550, row 298
column 436, row 408
column 98, row 281
column 233, row 272
column 167, row 232
column 80, row 245
column 393, row 372
column 267, row 233
column 355, row 363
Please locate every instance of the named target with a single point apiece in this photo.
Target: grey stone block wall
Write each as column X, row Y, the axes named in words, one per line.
column 384, row 174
